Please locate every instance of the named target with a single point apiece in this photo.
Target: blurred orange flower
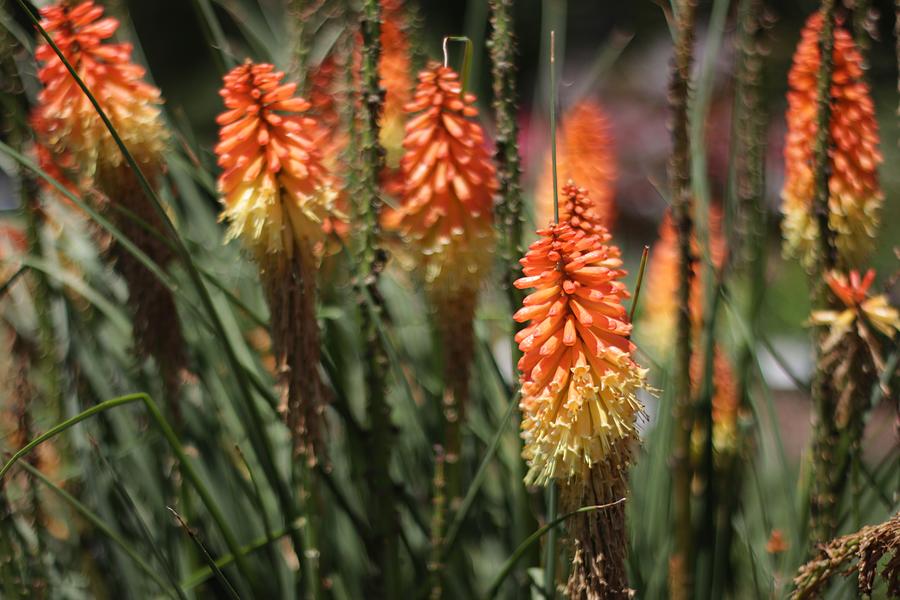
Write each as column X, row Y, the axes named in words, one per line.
column 448, row 182
column 660, row 303
column 777, row 543
column 57, row 166
column 328, row 89
column 13, row 243
column 725, row 399
column 70, row 128
column 273, row 185
column 324, row 93
column 855, row 196
column 395, row 72
column 586, row 155
column 579, row 381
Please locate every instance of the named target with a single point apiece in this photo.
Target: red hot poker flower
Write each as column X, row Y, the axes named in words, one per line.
column 854, row 194
column 273, row 185
column 579, row 381
column 448, row 180
column 70, row 125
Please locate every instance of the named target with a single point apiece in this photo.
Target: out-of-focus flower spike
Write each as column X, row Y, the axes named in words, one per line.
column 855, row 195
column 660, row 303
column 585, row 155
column 277, row 195
column 395, row 72
column 448, row 184
column 725, row 404
column 70, row 125
column 71, row 137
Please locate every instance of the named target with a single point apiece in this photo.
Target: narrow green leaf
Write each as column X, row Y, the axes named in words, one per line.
column 105, row 529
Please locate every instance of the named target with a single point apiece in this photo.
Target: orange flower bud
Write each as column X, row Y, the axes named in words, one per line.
column 585, row 155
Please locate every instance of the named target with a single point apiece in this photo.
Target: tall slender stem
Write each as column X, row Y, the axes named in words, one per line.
column 553, row 492
column 826, row 471
column 509, row 206
column 827, row 252
column 553, row 95
column 745, row 218
column 680, row 182
column 550, row 553
column 508, row 213
column 383, row 545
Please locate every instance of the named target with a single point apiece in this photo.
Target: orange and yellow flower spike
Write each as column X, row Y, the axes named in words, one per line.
column 277, row 196
column 70, row 126
column 855, row 196
column 449, row 183
column 72, row 138
column 579, row 381
column 274, row 186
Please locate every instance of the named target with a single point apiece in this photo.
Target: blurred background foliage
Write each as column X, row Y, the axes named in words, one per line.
column 96, row 523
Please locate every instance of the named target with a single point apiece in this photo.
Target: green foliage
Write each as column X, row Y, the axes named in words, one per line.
column 90, row 494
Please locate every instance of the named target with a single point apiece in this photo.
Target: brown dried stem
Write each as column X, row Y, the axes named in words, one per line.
column 600, row 540
column 867, row 547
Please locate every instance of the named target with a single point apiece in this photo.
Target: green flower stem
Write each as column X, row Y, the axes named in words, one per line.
column 383, row 546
